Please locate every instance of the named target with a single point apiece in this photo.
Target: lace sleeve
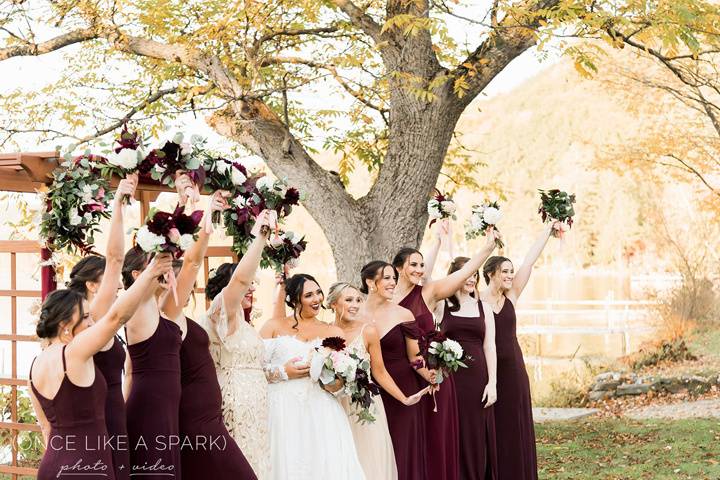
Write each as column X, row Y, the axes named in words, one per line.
column 273, row 372
column 214, row 320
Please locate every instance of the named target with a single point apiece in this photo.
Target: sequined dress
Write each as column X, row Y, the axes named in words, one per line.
column 239, row 363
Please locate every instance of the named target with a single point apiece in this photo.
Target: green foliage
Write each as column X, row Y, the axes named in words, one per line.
column 30, row 444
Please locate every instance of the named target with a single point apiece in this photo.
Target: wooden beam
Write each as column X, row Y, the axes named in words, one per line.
column 19, row 246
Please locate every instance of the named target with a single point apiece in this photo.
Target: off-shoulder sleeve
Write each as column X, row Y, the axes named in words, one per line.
column 274, row 373
column 411, row 330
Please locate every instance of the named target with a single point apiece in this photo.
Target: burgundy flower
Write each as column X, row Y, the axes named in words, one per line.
column 292, row 196
column 127, row 140
column 334, row 343
column 187, row 223
column 240, row 167
column 161, row 223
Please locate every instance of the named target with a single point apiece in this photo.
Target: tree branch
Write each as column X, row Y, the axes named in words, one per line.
column 61, row 41
column 506, row 42
column 695, row 172
column 360, row 19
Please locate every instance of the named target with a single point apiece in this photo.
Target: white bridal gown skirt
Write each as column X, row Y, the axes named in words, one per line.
column 310, row 437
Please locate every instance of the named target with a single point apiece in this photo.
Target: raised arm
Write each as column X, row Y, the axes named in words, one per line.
column 91, row 340
column 244, row 273
column 522, row 276
column 379, row 373
column 490, row 393
column 443, row 288
column 441, row 229
column 114, row 251
column 192, row 262
column 278, row 310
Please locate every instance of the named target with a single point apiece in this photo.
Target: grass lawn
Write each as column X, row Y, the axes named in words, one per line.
column 616, row 449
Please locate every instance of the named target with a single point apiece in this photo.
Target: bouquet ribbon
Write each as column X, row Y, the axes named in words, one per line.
column 172, row 283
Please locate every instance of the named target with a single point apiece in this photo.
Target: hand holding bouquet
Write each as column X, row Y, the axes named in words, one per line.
column 331, row 361
column 557, row 207
column 126, row 159
column 441, row 354
column 172, row 233
column 481, row 219
column 285, row 248
column 222, row 174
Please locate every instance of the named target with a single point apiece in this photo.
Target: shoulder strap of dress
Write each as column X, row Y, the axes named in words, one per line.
column 63, row 359
column 31, row 367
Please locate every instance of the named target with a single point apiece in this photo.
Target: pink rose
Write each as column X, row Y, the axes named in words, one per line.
column 174, row 235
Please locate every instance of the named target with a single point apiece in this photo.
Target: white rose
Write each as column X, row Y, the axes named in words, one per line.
column 476, row 221
column 148, row 240
column 449, row 206
column 87, row 194
column 222, row 166
column 126, row 159
column 196, row 139
column 454, row 347
column 240, row 202
column 159, row 169
column 185, row 148
column 265, row 183
column 433, row 209
column 186, row 241
column 492, row 215
column 88, row 217
column 75, row 219
column 237, row 176
column 283, row 189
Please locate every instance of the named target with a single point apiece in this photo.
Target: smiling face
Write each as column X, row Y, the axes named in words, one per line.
column 311, row 299
column 386, row 282
column 503, row 277
column 247, row 300
column 413, row 269
column 348, row 304
column 470, row 284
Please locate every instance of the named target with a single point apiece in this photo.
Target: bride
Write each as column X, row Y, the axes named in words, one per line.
column 310, row 435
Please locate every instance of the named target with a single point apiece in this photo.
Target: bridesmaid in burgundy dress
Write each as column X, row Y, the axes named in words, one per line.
column 515, row 433
column 398, row 338
column 98, row 279
column 200, row 409
column 441, row 426
column 471, row 323
column 67, row 390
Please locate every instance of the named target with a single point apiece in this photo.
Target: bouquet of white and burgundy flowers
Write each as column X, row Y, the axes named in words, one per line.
column 284, row 248
column 74, row 204
column 126, row 157
column 483, row 217
column 260, row 193
column 331, row 361
column 176, row 158
column 441, row 354
column 227, row 175
column 557, row 205
column 441, row 206
column 166, row 232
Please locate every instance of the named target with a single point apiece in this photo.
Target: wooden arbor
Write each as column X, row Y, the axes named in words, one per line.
column 29, row 172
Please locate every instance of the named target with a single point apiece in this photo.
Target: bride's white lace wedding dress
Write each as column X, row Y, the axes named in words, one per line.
column 310, row 436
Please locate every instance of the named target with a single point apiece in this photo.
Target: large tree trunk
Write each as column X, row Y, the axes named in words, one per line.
column 392, row 215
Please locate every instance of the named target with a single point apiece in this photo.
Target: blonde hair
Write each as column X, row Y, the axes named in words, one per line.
column 335, row 292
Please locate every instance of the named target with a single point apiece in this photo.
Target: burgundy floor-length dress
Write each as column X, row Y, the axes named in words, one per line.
column 515, row 432
column 441, row 427
column 111, row 363
column 77, row 431
column 153, row 404
column 478, row 456
column 201, row 418
column 405, row 423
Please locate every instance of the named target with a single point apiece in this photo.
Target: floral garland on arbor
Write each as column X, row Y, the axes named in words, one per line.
column 79, row 196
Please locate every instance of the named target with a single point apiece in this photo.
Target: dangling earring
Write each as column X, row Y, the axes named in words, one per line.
column 66, row 331
column 372, row 289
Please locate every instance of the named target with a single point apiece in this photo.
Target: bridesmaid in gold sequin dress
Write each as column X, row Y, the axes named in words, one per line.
column 238, row 352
